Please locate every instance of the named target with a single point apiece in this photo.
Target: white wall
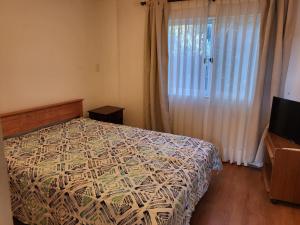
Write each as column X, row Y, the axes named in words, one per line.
column 292, row 88
column 131, row 31
column 120, row 47
column 106, row 53
column 56, row 50
column 46, row 52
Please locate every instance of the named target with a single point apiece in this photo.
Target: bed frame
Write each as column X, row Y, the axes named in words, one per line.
column 24, row 121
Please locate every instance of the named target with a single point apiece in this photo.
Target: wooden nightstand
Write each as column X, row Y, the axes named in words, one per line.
column 109, row 114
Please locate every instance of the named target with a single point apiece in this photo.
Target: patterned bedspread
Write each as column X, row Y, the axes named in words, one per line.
column 89, row 172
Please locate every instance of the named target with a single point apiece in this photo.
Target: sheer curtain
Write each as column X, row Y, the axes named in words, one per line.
column 213, row 62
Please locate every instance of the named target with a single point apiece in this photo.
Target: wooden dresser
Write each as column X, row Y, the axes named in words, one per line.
column 282, row 169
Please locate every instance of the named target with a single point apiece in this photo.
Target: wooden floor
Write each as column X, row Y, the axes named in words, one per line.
column 237, row 197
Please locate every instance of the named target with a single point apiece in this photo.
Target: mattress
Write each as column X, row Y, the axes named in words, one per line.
column 89, row 172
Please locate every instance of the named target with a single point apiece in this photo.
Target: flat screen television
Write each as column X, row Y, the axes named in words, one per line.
column 285, row 119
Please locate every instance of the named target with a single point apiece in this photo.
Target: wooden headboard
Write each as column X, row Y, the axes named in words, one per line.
column 24, row 121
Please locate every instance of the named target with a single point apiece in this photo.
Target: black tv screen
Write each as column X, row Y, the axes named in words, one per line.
column 285, row 119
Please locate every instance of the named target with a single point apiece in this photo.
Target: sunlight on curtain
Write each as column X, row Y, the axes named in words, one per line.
column 213, row 61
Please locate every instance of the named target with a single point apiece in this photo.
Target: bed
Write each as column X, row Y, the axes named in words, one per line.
column 82, row 171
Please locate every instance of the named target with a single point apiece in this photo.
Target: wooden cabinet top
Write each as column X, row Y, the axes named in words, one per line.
column 278, row 142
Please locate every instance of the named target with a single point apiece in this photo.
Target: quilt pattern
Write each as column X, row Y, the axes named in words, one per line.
column 89, row 172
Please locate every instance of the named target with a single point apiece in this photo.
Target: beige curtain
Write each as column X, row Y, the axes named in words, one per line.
column 276, row 38
column 156, row 107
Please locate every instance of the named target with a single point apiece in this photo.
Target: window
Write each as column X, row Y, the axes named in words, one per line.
column 190, row 51
column 195, row 64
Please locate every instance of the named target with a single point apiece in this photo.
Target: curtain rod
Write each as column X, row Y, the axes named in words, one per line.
column 144, row 2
